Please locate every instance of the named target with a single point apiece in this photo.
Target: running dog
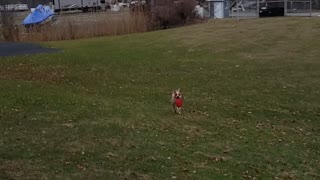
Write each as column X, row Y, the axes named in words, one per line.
column 177, row 101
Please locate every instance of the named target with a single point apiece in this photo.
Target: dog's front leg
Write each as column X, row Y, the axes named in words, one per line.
column 179, row 110
column 174, row 108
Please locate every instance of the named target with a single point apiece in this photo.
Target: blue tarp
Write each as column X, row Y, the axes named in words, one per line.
column 40, row 14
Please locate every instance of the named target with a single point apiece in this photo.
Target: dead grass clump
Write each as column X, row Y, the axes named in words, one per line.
column 25, row 72
column 164, row 14
column 20, row 169
column 8, row 30
column 67, row 30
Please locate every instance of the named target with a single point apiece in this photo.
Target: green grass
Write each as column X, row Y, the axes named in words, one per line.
column 100, row 109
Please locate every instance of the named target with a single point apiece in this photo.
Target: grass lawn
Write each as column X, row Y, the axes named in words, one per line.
column 100, row 108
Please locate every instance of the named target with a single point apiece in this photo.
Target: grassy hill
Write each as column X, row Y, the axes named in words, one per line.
column 100, row 108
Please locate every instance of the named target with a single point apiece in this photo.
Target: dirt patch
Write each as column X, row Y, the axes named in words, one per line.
column 27, row 72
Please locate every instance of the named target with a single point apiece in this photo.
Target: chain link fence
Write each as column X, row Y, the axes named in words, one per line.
column 244, row 9
column 299, row 8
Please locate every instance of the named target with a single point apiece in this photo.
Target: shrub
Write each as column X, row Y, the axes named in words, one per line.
column 168, row 13
column 185, row 9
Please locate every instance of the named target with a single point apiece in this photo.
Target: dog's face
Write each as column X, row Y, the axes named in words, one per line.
column 177, row 94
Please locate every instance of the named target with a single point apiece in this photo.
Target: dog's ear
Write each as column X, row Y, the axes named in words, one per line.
column 179, row 89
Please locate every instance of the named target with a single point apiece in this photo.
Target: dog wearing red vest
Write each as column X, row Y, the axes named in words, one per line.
column 177, row 101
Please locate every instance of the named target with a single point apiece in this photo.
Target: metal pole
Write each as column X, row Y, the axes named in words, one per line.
column 231, row 12
column 258, row 8
column 310, row 8
column 285, row 7
column 238, row 10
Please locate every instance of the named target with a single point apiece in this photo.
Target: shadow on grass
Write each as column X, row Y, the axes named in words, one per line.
column 15, row 49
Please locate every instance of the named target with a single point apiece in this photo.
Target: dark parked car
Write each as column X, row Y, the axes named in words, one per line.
column 271, row 9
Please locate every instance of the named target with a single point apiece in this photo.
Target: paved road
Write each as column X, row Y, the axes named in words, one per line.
column 14, row 49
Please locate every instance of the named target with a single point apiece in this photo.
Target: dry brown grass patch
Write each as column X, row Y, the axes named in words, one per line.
column 100, row 26
column 20, row 169
column 28, row 72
